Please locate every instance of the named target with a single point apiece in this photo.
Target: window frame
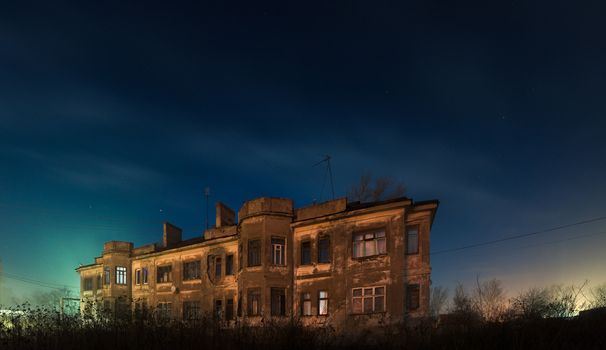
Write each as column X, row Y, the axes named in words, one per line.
column 377, row 235
column 251, row 295
column 87, row 284
column 254, row 245
column 278, row 251
column 137, row 277
column 308, row 243
column 413, row 289
column 229, row 265
column 218, row 267
column 188, row 307
column 198, row 270
column 107, row 275
column 159, row 277
column 278, row 293
column 306, row 300
column 229, row 309
column 408, row 229
column 145, row 275
column 325, row 299
column 325, row 238
column 121, row 275
column 373, row 297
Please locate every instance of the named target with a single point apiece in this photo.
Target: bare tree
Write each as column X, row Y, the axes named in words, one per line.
column 382, row 188
column 533, row 303
column 565, row 300
column 438, row 300
column 461, row 302
column 489, row 300
column 598, row 296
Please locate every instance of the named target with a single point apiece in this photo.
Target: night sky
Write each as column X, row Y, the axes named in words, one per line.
column 114, row 117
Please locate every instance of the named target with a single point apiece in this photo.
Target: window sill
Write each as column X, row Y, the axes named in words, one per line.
column 369, row 257
column 194, row 280
column 369, row 313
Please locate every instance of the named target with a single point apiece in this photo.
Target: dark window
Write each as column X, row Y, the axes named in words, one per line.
column 107, row 275
column 306, row 304
column 218, row 309
column 218, row 268
column 412, row 240
column 306, row 253
column 229, row 265
column 254, row 252
column 278, row 302
column 240, row 304
column 278, row 248
column 368, row 244
column 254, row 302
column 145, row 274
column 120, row 275
column 191, row 270
column 164, row 274
column 191, row 310
column 141, row 309
column 324, row 250
column 229, row 310
column 412, row 296
column 165, row 310
column 323, row 302
column 368, row 300
column 137, row 276
column 99, row 281
column 88, row 283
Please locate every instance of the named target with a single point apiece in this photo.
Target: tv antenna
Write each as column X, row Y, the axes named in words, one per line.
column 327, row 173
column 206, row 194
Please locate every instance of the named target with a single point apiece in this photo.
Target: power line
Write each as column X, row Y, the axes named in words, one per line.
column 524, row 235
column 56, row 286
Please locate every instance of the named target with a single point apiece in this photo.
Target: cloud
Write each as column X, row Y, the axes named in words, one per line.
column 91, row 171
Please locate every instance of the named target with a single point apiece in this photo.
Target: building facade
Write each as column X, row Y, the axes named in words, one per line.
column 334, row 263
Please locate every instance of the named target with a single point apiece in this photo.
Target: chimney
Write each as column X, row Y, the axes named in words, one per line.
column 225, row 216
column 172, row 234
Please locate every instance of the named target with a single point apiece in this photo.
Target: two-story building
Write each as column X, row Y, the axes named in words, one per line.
column 335, row 263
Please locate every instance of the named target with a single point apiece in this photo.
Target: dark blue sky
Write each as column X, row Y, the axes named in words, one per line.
column 114, row 117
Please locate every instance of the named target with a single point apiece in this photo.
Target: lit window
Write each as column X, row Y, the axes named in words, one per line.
column 254, row 302
column 324, row 250
column 368, row 300
column 368, row 244
column 306, row 304
column 412, row 240
column 164, row 274
column 120, row 275
column 278, row 251
column 323, row 302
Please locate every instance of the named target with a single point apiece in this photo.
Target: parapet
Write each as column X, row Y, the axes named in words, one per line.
column 266, row 206
column 117, row 247
column 322, row 209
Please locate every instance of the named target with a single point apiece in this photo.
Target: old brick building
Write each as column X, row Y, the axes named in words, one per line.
column 335, row 262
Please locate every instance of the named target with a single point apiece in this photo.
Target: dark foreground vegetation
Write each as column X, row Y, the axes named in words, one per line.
column 43, row 329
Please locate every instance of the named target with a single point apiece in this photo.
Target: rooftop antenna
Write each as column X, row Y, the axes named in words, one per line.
column 329, row 173
column 206, row 194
